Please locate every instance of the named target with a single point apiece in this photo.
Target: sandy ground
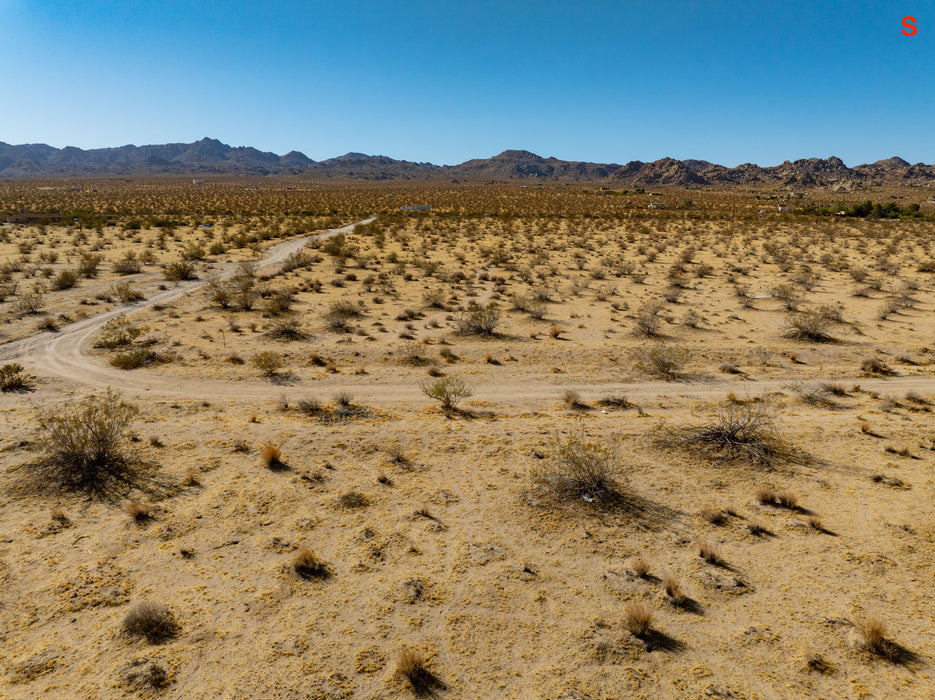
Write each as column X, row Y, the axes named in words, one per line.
column 455, row 548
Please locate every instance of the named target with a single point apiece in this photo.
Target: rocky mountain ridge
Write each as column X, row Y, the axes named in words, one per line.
column 210, row 156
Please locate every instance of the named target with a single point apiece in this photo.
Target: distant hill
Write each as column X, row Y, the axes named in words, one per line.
column 210, row 156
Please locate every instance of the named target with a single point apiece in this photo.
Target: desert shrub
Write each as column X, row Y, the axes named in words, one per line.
column 447, row 390
column 709, row 553
column 339, row 315
column 87, row 267
column 307, row 565
column 286, row 329
column 66, row 279
column 136, row 358
column 812, row 325
column 788, row 295
column 29, row 305
column 638, row 618
column 889, row 307
column 309, row 406
column 663, row 361
column 640, row 567
column 736, row 431
column 118, row 332
column 714, row 515
column 193, row 251
column 139, row 512
column 876, row 366
column 84, row 448
column 582, row 470
column 352, row 500
column 572, row 400
column 144, row 675
column 7, row 289
column 271, row 456
column 125, row 293
column 128, row 264
column 179, row 271
column 280, row 301
column 296, row 260
column 14, row 378
column 673, row 591
column 478, row 320
column 615, row 401
column 267, row 362
column 647, row 319
column 413, row 667
column 153, row 621
column 435, row 298
column 814, row 394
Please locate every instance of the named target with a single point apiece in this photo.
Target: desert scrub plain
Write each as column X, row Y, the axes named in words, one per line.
column 534, row 443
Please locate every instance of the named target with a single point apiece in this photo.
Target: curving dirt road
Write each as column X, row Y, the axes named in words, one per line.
column 64, row 354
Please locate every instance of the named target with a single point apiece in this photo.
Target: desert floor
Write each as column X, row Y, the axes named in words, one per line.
column 458, row 534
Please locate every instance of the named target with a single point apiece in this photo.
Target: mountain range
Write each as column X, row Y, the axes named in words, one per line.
column 210, row 156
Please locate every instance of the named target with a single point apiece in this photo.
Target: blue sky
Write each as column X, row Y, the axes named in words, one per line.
column 729, row 82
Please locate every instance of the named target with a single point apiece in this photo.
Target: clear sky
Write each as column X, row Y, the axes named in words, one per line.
column 445, row 81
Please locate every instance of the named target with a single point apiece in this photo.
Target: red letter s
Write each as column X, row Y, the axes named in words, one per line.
column 910, row 27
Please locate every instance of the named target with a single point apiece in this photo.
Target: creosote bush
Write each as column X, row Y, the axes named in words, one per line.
column 84, row 445
column 14, row 378
column 663, row 361
column 478, row 320
column 447, row 390
column 267, row 362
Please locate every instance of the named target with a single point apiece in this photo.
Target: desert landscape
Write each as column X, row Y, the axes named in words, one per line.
column 288, row 437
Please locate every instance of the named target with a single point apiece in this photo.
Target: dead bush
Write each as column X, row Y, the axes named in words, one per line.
column 638, row 618
column 413, row 666
column 737, row 431
column 271, row 456
column 811, row 325
column 582, row 470
column 153, row 621
column 647, row 319
column 307, row 565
